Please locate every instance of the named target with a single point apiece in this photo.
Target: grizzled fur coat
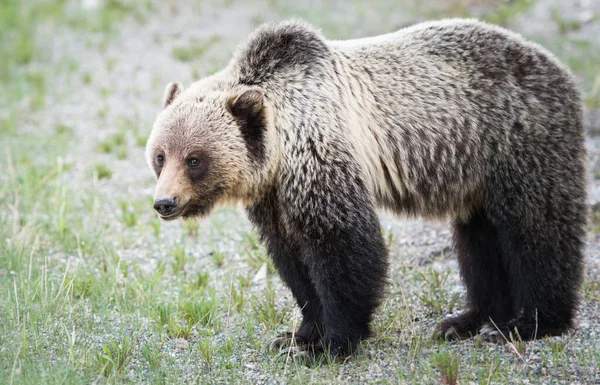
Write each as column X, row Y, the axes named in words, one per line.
column 452, row 118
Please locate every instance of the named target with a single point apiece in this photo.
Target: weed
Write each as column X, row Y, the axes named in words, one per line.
column 61, row 129
column 110, row 64
column 83, row 286
column 226, row 350
column 166, row 318
column 8, row 124
column 236, row 298
column 478, row 341
column 506, row 11
column 200, row 311
column 102, row 112
column 245, row 280
column 200, row 281
column 105, row 92
column 103, row 19
column 17, row 40
column 152, row 356
column 160, row 270
column 37, row 89
column 112, row 143
column 519, row 347
column 178, row 264
column 447, row 365
column 86, row 78
column 155, row 224
column 389, row 237
column 564, row 26
column 266, row 311
column 122, row 152
column 114, row 356
column 102, row 171
column 128, row 215
column 558, row 348
column 515, row 343
column 140, row 139
column 159, row 378
column 191, row 227
column 176, row 330
column 194, row 49
column 486, row 375
column 206, row 352
column 591, row 290
column 24, row 48
column 164, row 313
column 250, row 240
column 434, row 295
column 256, row 258
column 218, row 258
column 124, row 124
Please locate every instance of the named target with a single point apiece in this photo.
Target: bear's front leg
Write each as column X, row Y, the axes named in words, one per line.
column 286, row 255
column 347, row 263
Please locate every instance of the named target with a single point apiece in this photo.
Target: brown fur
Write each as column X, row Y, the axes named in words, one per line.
column 452, row 118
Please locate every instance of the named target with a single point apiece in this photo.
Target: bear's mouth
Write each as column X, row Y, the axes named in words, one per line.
column 174, row 215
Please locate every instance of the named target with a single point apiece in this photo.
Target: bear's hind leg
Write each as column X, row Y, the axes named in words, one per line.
column 540, row 225
column 545, row 266
column 485, row 278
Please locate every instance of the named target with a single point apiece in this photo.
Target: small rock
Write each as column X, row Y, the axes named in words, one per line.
column 181, row 344
column 261, row 274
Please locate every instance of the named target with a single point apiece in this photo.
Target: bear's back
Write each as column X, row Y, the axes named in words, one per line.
column 425, row 112
column 442, row 103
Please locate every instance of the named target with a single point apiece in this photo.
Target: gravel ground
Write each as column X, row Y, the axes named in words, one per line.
column 135, row 66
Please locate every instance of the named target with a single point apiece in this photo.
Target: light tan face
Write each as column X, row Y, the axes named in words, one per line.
column 198, row 153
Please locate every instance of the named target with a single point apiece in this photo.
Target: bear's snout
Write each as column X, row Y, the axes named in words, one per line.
column 165, row 206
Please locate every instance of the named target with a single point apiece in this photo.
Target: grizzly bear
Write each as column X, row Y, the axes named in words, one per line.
column 448, row 119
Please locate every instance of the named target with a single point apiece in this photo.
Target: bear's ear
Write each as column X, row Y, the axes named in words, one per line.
column 171, row 92
column 248, row 105
column 248, row 110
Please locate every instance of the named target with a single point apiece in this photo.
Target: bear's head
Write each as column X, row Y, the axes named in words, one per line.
column 207, row 147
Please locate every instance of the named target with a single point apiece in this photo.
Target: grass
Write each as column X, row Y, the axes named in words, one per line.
column 507, row 10
column 112, row 143
column 206, row 352
column 152, row 355
column 128, row 214
column 86, row 78
column 218, row 258
column 95, row 289
column 102, row 171
column 266, row 311
column 200, row 311
column 114, row 356
column 591, row 290
column 434, row 296
column 564, row 26
column 447, row 365
column 194, row 49
column 178, row 264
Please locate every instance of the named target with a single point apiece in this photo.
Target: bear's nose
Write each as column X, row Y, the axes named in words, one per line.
column 165, row 206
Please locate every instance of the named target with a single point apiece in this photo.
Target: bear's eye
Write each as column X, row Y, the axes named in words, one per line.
column 193, row 162
column 160, row 160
